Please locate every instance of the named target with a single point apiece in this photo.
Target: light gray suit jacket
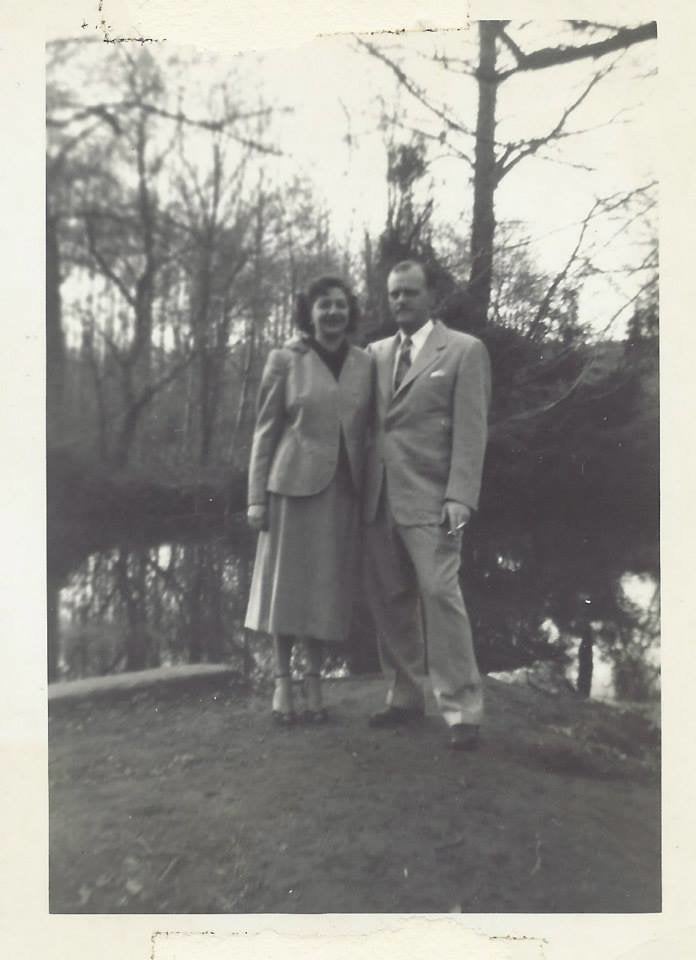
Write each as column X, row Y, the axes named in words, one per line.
column 300, row 411
column 430, row 435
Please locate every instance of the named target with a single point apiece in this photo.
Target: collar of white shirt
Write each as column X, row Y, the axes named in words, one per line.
column 417, row 339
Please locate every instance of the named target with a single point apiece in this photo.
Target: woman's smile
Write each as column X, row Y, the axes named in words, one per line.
column 330, row 317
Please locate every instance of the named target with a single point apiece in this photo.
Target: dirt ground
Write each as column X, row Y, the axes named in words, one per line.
column 181, row 798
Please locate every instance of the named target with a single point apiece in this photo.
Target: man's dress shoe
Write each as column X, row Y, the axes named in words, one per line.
column 463, row 736
column 396, row 717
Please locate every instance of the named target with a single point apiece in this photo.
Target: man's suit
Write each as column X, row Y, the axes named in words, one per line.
column 429, row 444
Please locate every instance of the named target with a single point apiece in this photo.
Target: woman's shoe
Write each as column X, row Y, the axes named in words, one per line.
column 315, row 716
column 282, row 713
column 282, row 719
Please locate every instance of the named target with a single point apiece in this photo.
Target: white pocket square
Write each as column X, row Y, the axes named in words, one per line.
column 437, row 373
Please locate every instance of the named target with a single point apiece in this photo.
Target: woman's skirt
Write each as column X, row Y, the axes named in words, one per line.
column 305, row 567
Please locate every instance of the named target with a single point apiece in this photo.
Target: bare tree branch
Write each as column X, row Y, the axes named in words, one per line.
column 149, row 392
column 56, row 160
column 561, row 275
column 460, row 154
column 565, row 163
column 99, row 110
column 108, row 111
column 611, row 122
column 627, row 223
column 554, row 56
column 649, row 262
column 445, row 61
column 116, row 351
column 105, row 268
column 622, row 309
column 608, row 205
column 413, row 89
column 585, row 25
column 511, row 45
column 533, row 145
column 526, row 415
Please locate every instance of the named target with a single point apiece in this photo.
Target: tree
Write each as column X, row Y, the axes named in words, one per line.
column 408, row 232
column 493, row 161
column 120, row 224
column 572, row 453
column 216, row 222
column 69, row 126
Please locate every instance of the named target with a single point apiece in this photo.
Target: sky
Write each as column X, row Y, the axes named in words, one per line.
column 320, row 79
column 333, row 88
column 335, row 93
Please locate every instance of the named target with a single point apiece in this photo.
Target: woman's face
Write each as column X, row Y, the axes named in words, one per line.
column 330, row 315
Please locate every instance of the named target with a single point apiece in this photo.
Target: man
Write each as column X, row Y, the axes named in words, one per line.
column 423, row 481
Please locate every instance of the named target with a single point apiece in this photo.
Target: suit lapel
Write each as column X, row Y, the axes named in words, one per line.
column 428, row 353
column 385, row 367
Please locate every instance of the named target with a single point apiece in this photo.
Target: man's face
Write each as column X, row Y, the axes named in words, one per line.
column 409, row 298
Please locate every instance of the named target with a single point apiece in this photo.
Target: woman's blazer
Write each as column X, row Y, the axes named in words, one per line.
column 300, row 411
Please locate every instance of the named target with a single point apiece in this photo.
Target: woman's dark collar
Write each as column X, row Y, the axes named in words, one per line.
column 303, row 342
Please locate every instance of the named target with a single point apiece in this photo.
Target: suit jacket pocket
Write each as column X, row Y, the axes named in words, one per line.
column 432, row 395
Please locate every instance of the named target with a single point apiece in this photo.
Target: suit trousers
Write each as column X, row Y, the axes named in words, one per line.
column 413, row 587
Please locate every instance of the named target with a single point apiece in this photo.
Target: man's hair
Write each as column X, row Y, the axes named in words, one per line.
column 318, row 288
column 403, row 265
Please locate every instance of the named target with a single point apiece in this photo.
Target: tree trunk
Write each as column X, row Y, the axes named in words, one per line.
column 205, row 411
column 55, row 344
column 485, row 177
column 126, row 436
column 244, row 402
column 203, row 338
column 258, row 317
column 195, row 606
column 585, row 658
column 145, row 286
column 213, row 593
column 132, row 591
column 89, row 357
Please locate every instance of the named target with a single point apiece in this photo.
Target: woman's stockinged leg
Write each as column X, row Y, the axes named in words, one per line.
column 315, row 712
column 282, row 649
column 282, row 693
column 315, row 656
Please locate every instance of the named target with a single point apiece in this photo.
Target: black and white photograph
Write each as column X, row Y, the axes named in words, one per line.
column 353, row 472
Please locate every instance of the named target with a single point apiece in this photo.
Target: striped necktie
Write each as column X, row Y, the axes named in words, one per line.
column 404, row 363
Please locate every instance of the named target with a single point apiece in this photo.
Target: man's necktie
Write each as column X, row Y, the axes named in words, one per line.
column 404, row 363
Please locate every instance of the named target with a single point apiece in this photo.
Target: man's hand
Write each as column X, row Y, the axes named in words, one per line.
column 455, row 517
column 257, row 516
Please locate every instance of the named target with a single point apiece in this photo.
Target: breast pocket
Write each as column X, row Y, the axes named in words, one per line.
column 433, row 394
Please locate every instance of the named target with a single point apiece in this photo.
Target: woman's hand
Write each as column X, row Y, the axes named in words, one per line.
column 257, row 516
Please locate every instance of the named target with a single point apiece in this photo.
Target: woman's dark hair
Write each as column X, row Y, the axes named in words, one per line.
column 318, row 288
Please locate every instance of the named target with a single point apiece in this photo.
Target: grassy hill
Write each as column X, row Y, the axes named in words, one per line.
column 181, row 798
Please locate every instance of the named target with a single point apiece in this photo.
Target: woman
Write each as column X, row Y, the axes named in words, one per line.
column 305, row 478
